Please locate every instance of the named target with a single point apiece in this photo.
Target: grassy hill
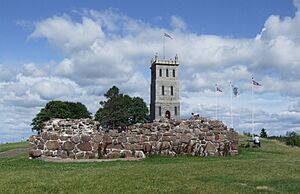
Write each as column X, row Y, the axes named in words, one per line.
column 10, row 146
column 274, row 168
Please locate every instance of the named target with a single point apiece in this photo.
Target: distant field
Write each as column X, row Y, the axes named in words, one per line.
column 10, row 146
column 274, row 168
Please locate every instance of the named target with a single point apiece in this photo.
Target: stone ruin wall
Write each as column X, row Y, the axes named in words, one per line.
column 84, row 139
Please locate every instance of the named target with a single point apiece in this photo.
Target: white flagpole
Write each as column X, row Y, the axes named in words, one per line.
column 231, row 105
column 164, row 52
column 252, row 108
column 216, row 102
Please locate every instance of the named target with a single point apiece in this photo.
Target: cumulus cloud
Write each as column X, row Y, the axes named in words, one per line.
column 178, row 23
column 67, row 35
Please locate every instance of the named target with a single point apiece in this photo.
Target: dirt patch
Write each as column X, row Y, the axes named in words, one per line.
column 14, row 152
column 69, row 160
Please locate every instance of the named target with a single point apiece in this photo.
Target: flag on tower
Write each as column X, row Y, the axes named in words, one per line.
column 235, row 91
column 218, row 89
column 168, row 36
column 255, row 83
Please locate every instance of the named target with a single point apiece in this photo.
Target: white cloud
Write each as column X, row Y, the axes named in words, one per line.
column 67, row 35
column 30, row 69
column 177, row 23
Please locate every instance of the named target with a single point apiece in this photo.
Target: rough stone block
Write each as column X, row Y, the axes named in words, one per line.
column 52, row 145
column 75, row 139
column 107, row 139
column 184, row 138
column 97, row 138
column 114, row 146
column 139, row 154
column 85, row 146
column 165, row 138
column 133, row 139
column 113, row 155
column 210, row 147
column 85, row 138
column 153, row 138
column 45, row 136
column 35, row 153
column 121, row 139
column 68, row 146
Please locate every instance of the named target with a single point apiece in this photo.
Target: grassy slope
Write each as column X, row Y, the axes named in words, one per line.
column 10, row 146
column 274, row 168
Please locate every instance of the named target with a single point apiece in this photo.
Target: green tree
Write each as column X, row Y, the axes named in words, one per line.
column 263, row 133
column 293, row 139
column 138, row 111
column 59, row 109
column 120, row 109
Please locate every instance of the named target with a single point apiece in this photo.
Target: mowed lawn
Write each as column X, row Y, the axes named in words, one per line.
column 274, row 168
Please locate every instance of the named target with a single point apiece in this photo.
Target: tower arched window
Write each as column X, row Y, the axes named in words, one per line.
column 172, row 92
column 167, row 72
column 160, row 72
column 163, row 90
column 173, row 72
column 175, row 110
column 159, row 111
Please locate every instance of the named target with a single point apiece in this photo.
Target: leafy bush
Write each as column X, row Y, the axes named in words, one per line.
column 293, row 139
column 59, row 109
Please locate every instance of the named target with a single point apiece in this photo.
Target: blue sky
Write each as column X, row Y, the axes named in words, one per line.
column 76, row 50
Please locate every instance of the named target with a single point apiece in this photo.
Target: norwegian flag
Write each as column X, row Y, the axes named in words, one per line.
column 235, row 91
column 255, row 83
column 168, row 35
column 218, row 89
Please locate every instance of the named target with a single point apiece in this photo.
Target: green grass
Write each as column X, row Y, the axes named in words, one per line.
column 10, row 146
column 274, row 168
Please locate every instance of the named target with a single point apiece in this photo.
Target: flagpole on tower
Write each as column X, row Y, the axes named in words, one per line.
column 164, row 52
column 252, row 108
column 231, row 105
column 216, row 90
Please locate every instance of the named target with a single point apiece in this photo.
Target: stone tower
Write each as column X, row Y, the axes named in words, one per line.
column 164, row 102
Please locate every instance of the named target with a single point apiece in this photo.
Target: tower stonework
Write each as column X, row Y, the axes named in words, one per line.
column 164, row 102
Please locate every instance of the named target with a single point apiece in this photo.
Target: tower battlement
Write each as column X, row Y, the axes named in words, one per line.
column 156, row 60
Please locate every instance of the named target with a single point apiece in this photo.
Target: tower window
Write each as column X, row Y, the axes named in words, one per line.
column 173, row 72
column 163, row 90
column 172, row 91
column 175, row 110
column 160, row 72
column 159, row 111
column 167, row 72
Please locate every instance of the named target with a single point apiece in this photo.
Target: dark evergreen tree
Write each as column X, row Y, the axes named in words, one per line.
column 121, row 110
column 138, row 111
column 59, row 109
column 263, row 133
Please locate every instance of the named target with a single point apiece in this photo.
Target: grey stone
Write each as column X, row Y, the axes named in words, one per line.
column 52, row 145
column 75, row 139
column 85, row 138
column 68, row 146
column 35, row 153
column 84, row 146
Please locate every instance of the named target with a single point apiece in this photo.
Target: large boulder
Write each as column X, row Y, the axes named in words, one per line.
column 52, row 145
column 85, row 146
column 35, row 153
column 68, row 146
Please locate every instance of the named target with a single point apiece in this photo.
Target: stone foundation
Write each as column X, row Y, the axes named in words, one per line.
column 83, row 139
